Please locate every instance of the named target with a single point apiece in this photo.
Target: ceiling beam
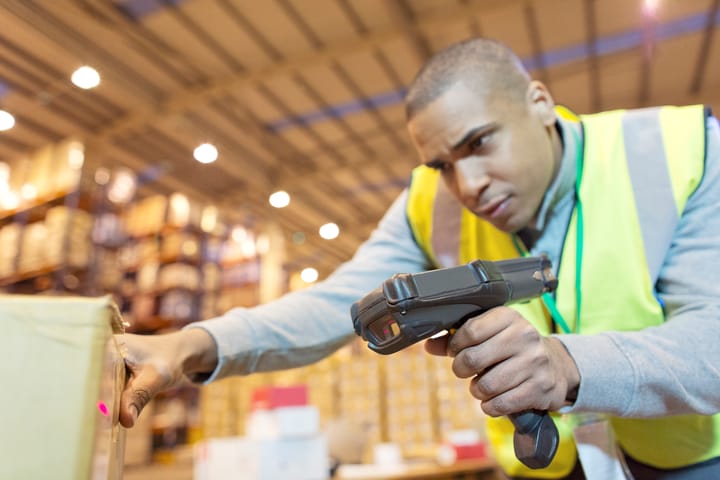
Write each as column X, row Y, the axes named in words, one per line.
column 404, row 12
column 703, row 55
column 594, row 73
column 536, row 42
column 647, row 53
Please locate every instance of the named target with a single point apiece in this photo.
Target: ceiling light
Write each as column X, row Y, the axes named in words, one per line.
column 7, row 121
column 239, row 234
column 9, row 201
column 179, row 209
column 4, row 174
column 309, row 275
column 86, row 78
column 279, row 199
column 76, row 156
column 248, row 247
column 650, row 7
column 206, row 153
column 209, row 218
column 329, row 231
column 262, row 244
column 28, row 192
column 122, row 187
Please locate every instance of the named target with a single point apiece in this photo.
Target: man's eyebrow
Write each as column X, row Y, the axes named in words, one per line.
column 472, row 133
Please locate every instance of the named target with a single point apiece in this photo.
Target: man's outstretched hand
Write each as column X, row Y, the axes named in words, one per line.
column 160, row 362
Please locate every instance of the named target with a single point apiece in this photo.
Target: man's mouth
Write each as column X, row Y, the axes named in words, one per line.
column 495, row 207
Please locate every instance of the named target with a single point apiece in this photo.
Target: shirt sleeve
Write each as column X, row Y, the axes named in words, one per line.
column 673, row 368
column 308, row 325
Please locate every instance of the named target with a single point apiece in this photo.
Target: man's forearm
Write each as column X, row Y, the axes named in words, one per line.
column 307, row 325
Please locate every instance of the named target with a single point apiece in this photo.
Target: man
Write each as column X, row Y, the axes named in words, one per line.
column 622, row 202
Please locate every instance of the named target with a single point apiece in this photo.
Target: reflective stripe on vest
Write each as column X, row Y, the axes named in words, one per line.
column 629, row 222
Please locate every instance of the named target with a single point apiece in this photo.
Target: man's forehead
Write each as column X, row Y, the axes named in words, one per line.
column 452, row 113
column 459, row 94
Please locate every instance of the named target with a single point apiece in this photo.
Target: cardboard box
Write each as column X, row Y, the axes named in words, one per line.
column 66, row 168
column 40, row 172
column 62, row 373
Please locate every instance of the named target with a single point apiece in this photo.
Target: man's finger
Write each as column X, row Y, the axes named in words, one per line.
column 138, row 392
column 437, row 346
column 482, row 327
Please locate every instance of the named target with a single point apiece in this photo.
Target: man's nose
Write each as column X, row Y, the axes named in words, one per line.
column 471, row 180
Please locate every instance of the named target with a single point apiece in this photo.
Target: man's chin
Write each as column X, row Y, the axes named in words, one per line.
column 508, row 225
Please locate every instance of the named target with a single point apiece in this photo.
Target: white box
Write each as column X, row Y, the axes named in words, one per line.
column 297, row 421
column 285, row 422
column 242, row 458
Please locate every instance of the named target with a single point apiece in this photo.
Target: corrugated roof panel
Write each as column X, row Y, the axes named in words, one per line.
column 507, row 24
column 442, row 35
column 231, row 29
column 620, row 80
column 572, row 89
column 279, row 29
column 326, row 19
column 562, row 23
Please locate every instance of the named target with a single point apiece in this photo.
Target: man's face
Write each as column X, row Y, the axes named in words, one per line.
column 497, row 156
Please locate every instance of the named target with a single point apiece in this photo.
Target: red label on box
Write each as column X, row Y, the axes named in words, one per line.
column 267, row 398
column 471, row 450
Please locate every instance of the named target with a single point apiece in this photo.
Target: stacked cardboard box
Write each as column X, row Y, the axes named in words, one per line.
column 180, row 245
column 184, row 212
column 61, row 238
column 109, row 272
column 410, row 421
column 9, row 242
column 147, row 216
column 361, row 389
column 32, row 251
column 411, row 399
column 68, row 161
column 68, row 237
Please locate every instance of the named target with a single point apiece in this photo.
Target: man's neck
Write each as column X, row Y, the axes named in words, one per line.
column 528, row 236
column 565, row 146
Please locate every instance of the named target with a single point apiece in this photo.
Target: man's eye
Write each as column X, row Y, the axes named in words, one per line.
column 478, row 142
column 439, row 165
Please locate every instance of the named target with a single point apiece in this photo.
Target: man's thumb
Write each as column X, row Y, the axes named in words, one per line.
column 138, row 392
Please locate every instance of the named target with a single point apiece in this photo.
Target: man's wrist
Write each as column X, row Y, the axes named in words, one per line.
column 570, row 371
column 573, row 377
column 198, row 351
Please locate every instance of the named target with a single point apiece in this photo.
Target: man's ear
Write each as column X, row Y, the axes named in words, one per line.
column 540, row 102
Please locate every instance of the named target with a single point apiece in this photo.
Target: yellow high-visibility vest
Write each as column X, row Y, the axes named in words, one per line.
column 627, row 231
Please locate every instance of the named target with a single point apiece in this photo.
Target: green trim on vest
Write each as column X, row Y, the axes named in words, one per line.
column 613, row 239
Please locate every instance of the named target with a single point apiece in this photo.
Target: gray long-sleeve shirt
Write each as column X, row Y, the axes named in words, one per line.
column 670, row 369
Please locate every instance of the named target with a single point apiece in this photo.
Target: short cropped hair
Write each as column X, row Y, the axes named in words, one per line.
column 483, row 65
